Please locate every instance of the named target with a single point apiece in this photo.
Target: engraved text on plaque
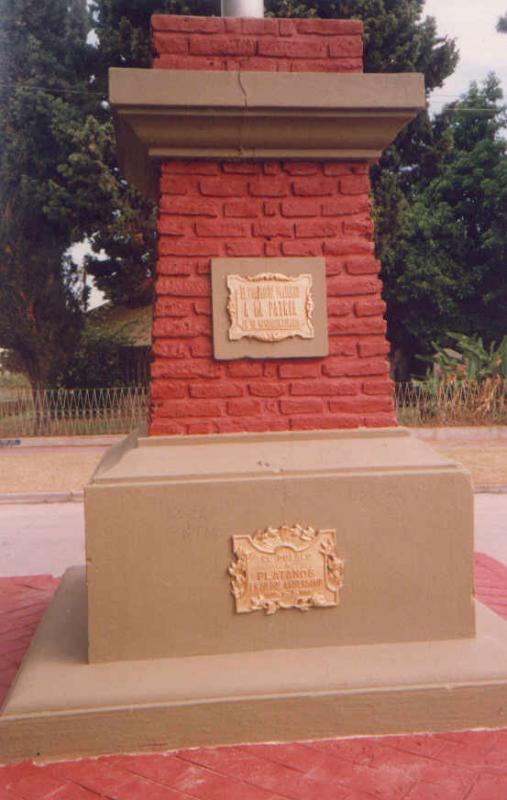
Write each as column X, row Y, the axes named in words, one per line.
column 270, row 306
column 287, row 567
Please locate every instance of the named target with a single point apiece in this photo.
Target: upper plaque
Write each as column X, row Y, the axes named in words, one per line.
column 269, row 308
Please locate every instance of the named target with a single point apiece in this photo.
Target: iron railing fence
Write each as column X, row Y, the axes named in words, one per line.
column 71, row 412
column 444, row 403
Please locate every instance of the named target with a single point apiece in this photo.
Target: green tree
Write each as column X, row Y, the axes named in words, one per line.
column 123, row 239
column 447, row 271
column 44, row 93
column 398, row 38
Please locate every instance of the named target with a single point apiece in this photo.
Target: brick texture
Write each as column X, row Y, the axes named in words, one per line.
column 257, row 44
column 226, row 211
column 241, row 209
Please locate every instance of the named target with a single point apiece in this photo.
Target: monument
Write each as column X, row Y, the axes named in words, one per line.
column 274, row 558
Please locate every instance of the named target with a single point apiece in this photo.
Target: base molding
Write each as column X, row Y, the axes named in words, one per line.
column 61, row 706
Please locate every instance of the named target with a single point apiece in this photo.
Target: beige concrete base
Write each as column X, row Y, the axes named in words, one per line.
column 161, row 514
column 61, row 706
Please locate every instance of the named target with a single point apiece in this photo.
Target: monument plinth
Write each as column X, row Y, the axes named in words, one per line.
column 276, row 559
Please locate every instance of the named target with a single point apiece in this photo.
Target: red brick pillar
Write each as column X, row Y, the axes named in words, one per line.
column 265, row 208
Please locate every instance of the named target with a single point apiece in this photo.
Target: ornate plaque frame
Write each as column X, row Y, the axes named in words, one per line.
column 286, row 567
column 270, row 306
column 288, row 319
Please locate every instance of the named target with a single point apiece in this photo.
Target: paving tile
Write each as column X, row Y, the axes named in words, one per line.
column 432, row 791
column 71, row 791
column 383, row 784
column 421, row 745
column 90, row 774
column 483, row 740
column 353, row 751
column 163, row 769
column 463, row 754
column 190, row 778
column 141, row 789
column 469, row 765
column 207, row 785
column 299, row 757
column 244, row 764
column 34, row 787
column 489, row 787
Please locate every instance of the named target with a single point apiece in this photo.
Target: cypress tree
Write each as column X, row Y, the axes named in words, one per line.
column 44, row 93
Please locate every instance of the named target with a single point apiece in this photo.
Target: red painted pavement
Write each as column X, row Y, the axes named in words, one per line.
column 451, row 766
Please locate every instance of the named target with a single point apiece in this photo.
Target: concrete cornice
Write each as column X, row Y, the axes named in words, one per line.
column 164, row 114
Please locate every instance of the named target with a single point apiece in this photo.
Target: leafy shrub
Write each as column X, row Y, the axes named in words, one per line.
column 96, row 362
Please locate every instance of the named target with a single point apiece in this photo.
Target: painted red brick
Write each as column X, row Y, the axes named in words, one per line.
column 377, row 386
column 354, row 184
column 362, row 265
column 316, row 228
column 242, row 208
column 180, row 328
column 257, row 44
column 342, row 205
column 273, row 227
column 376, row 346
column 267, row 389
column 293, row 48
column 252, row 209
column 223, row 229
column 244, row 408
column 324, row 388
column 244, row 249
column 164, row 389
column 314, row 187
column 168, row 307
column 365, row 325
column 221, row 45
column 300, row 208
column 215, row 390
column 346, row 46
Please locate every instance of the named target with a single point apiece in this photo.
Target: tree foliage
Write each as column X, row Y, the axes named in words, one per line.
column 44, row 68
column 95, row 362
column 447, row 270
column 438, row 190
column 398, row 38
column 470, row 360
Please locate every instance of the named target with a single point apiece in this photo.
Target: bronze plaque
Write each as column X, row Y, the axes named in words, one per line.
column 287, row 567
column 270, row 306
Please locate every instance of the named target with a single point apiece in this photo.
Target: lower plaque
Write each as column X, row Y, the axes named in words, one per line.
column 287, row 567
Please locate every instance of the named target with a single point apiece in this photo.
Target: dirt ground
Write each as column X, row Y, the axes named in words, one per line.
column 487, row 461
column 64, row 469
column 47, row 469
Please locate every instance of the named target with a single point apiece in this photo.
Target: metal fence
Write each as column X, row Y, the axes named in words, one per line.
column 70, row 412
column 444, row 403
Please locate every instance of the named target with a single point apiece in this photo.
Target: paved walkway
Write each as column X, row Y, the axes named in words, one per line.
column 37, row 539
column 454, row 766
column 41, row 538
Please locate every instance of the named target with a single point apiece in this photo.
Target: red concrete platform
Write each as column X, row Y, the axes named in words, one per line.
column 461, row 766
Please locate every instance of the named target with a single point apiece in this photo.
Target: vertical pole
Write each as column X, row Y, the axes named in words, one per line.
column 242, row 8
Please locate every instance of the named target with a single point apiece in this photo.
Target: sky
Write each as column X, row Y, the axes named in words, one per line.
column 482, row 50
